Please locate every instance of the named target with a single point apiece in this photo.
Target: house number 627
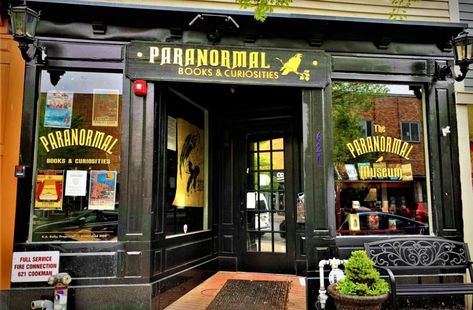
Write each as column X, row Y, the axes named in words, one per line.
column 318, row 148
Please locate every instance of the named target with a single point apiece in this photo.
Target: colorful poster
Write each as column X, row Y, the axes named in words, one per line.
column 102, row 190
column 48, row 189
column 373, row 221
column 58, row 111
column 341, row 172
column 105, row 107
column 353, row 222
column 76, row 183
column 351, row 171
column 190, row 165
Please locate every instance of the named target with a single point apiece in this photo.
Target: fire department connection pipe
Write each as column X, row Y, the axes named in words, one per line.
column 42, row 304
column 334, row 263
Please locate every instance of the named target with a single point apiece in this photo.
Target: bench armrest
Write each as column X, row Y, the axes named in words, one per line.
column 392, row 280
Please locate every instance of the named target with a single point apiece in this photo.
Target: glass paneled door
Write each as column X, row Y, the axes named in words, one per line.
column 265, row 196
column 267, row 206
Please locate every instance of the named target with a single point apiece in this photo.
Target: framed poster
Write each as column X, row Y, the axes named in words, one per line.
column 76, row 183
column 353, row 221
column 190, row 165
column 105, row 107
column 102, row 190
column 48, row 189
column 351, row 171
column 58, row 110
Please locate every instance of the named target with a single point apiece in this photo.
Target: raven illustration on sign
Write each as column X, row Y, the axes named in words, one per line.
column 292, row 65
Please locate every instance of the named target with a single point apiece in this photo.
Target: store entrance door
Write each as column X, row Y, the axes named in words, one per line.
column 265, row 165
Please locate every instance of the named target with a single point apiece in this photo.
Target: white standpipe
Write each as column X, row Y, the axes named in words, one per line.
column 335, row 275
column 42, row 304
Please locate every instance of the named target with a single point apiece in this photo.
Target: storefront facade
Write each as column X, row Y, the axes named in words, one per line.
column 162, row 150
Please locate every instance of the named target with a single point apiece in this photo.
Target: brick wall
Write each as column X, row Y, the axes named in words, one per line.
column 390, row 111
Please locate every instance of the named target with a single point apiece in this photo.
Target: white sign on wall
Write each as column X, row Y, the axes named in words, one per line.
column 34, row 266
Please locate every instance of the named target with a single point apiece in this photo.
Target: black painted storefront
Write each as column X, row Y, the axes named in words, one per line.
column 143, row 265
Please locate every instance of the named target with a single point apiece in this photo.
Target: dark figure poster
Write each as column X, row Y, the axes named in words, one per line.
column 190, row 191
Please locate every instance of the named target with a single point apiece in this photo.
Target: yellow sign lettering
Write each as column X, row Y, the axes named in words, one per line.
column 75, row 137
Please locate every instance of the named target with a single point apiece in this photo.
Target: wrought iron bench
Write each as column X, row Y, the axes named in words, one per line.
column 419, row 257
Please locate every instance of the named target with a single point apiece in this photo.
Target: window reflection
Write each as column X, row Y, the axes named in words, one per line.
column 77, row 167
column 380, row 175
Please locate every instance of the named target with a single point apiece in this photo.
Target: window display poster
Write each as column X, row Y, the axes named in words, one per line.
column 190, row 165
column 58, row 110
column 407, row 172
column 353, row 222
column 105, row 107
column 351, row 171
column 102, row 190
column 76, row 183
column 48, row 189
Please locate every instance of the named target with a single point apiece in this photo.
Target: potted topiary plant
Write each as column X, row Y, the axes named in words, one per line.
column 362, row 288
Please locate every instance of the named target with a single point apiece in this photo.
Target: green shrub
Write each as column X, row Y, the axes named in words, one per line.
column 361, row 277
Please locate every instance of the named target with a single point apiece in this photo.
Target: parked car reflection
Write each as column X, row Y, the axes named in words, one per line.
column 380, row 222
column 87, row 225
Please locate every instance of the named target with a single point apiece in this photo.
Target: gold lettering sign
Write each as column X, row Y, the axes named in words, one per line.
column 226, row 64
column 382, row 144
column 78, row 137
column 197, row 57
column 368, row 172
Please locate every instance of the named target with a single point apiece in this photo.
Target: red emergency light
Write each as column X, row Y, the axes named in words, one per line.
column 140, row 88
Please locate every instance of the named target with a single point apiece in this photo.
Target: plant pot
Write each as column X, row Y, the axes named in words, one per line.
column 349, row 302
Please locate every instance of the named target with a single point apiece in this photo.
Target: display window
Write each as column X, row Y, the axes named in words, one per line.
column 380, row 173
column 470, row 128
column 77, row 157
column 186, row 191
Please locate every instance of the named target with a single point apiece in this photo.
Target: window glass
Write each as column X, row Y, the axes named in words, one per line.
column 380, row 178
column 366, row 127
column 410, row 131
column 77, row 159
column 186, row 208
column 470, row 128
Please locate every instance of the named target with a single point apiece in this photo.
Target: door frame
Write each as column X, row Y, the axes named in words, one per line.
column 266, row 261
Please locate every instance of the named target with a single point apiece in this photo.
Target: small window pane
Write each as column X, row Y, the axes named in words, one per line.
column 278, row 160
column 265, row 145
column 278, row 144
column 406, row 132
column 254, row 161
column 265, row 181
column 264, row 161
column 415, row 132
